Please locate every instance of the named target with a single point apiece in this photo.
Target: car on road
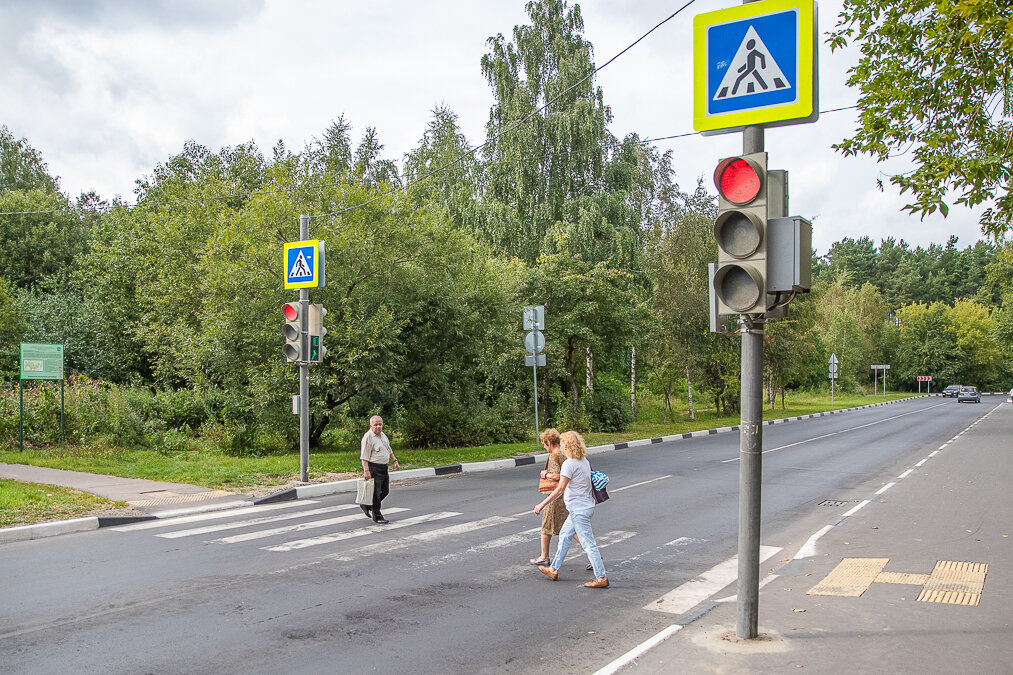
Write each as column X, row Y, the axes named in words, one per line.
column 1009, row 397
column 970, row 394
column 951, row 391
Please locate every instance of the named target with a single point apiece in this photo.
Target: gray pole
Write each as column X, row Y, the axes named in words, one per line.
column 534, row 371
column 750, row 452
column 304, row 370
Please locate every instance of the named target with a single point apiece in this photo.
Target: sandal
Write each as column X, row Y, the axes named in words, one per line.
column 539, row 561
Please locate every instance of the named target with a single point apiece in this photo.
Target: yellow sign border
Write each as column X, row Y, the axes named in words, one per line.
column 315, row 243
column 787, row 113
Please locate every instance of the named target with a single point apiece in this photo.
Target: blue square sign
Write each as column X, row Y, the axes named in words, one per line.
column 755, row 64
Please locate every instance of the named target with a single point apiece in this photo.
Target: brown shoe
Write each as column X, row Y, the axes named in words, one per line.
column 600, row 582
column 553, row 574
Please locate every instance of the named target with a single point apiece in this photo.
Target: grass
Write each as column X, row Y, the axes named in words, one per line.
column 29, row 503
column 218, row 470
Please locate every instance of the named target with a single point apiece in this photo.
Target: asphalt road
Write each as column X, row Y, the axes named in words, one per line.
column 313, row 586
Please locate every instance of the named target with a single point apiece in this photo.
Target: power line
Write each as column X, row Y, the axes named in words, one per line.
column 694, row 133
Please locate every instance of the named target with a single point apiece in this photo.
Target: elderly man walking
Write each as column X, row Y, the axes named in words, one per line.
column 375, row 453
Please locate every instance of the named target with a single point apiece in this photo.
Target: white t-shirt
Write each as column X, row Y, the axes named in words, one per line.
column 577, row 495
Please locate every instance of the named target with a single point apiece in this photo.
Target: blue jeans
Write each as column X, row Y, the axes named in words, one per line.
column 579, row 522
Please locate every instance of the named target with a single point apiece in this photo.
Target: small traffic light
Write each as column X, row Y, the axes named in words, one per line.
column 740, row 230
column 316, row 331
column 294, row 348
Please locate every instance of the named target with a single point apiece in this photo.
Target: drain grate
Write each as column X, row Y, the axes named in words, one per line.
column 832, row 503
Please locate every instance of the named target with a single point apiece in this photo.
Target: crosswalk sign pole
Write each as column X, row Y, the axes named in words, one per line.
column 304, row 372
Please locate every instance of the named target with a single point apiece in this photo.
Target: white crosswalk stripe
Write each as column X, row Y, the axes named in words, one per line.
column 361, row 532
column 404, row 542
column 300, row 527
column 256, row 521
column 217, row 515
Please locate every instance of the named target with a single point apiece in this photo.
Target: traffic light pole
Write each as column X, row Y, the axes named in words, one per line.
column 304, row 370
column 750, row 452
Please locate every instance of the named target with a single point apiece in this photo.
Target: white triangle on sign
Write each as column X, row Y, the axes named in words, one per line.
column 753, row 70
column 300, row 268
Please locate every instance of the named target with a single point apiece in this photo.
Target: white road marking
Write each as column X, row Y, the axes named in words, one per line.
column 842, row 431
column 361, row 532
column 698, row 589
column 885, row 488
column 627, row 487
column 632, row 655
column 809, row 547
column 922, row 462
column 432, row 535
column 252, row 521
column 855, row 510
column 183, row 520
column 298, row 527
column 766, row 580
column 905, row 474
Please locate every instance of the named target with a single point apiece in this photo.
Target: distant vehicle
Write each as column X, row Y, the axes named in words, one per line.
column 1009, row 397
column 951, row 391
column 969, row 394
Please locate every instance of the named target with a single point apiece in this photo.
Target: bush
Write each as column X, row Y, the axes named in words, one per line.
column 608, row 409
column 452, row 424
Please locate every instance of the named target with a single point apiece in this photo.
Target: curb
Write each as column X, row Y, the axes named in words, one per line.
column 29, row 532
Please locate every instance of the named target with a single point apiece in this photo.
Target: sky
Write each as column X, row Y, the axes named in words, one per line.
column 108, row 89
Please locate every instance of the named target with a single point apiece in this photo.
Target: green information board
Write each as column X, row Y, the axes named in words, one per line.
column 41, row 362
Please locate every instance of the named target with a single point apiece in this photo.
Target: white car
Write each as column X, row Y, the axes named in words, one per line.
column 1009, row 397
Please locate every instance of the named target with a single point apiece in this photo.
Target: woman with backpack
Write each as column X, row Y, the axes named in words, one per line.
column 576, row 490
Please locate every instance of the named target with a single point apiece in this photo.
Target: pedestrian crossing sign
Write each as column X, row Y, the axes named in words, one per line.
column 755, row 64
column 304, row 264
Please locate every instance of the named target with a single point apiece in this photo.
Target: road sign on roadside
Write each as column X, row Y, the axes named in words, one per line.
column 304, row 264
column 755, row 64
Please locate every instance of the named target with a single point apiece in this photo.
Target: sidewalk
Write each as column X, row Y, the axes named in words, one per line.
column 914, row 579
column 148, row 496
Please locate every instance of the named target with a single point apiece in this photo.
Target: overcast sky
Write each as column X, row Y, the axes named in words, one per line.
column 107, row 89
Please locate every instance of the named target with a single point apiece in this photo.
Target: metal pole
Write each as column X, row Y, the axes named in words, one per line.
column 875, row 382
column 63, row 436
column 304, row 369
column 884, row 383
column 21, row 416
column 750, row 453
column 534, row 371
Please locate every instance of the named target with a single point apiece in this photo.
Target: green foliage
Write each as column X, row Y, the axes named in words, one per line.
column 41, row 236
column 608, row 409
column 22, row 167
column 934, row 82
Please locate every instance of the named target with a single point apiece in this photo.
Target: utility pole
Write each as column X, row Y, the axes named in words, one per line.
column 304, row 371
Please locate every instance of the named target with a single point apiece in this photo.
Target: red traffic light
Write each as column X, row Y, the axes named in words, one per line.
column 291, row 311
column 738, row 180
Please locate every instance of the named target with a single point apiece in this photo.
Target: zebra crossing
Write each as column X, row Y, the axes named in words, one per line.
column 298, row 525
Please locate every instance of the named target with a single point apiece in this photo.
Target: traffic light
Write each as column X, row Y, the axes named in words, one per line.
column 317, row 332
column 294, row 348
column 740, row 230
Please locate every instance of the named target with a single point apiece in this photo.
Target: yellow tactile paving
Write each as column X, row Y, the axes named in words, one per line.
column 955, row 583
column 850, row 578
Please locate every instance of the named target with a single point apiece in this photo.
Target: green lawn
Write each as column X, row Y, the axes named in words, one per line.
column 217, row 470
column 29, row 503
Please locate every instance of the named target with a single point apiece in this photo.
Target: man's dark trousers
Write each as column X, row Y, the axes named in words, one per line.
column 381, row 485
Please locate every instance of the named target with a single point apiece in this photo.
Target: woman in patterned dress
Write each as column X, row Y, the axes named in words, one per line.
column 554, row 515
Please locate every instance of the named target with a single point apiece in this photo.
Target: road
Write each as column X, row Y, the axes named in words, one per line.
column 313, row 586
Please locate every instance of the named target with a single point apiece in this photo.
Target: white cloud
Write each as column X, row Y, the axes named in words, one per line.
column 106, row 90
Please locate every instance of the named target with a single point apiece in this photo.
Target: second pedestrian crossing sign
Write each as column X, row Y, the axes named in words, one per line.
column 304, row 264
column 755, row 64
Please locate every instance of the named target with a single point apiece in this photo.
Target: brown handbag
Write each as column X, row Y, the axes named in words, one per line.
column 547, row 484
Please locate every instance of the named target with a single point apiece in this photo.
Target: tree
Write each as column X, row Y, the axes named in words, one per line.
column 22, row 167
column 538, row 172
column 934, row 82
column 42, row 235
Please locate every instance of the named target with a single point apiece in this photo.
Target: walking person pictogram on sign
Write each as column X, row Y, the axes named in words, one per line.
column 752, row 65
column 300, row 268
